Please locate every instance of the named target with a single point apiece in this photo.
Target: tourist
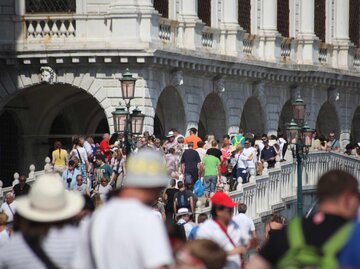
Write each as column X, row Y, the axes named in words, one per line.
column 103, row 169
column 200, row 254
column 9, row 208
column 118, row 168
column 87, row 146
column 241, row 164
column 338, row 195
column 105, row 147
column 190, row 162
column 69, row 175
column 102, row 189
column 170, row 142
column 44, row 236
column 172, row 161
column 201, row 219
column 238, row 139
column 169, row 195
column 79, row 152
column 315, row 141
column 208, row 140
column 214, row 150
column 247, row 226
column 59, row 158
column 201, row 149
column 183, row 198
column 192, row 138
column 275, row 225
column 176, row 134
column 268, row 154
column 22, row 188
column 250, row 152
column 81, row 187
column 323, row 143
column 212, row 172
column 183, row 217
column 4, row 231
column 136, row 239
column 283, row 144
column 333, row 144
column 216, row 229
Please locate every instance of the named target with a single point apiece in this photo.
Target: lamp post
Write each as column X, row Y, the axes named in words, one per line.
column 124, row 121
column 299, row 136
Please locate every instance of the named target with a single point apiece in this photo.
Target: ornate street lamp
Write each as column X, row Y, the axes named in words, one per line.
column 299, row 136
column 124, row 121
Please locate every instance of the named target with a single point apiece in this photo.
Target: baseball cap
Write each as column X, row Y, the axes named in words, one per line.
column 170, row 134
column 146, row 169
column 221, row 198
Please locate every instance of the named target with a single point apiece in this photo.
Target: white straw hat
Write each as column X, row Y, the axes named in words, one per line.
column 48, row 201
column 183, row 211
column 146, row 169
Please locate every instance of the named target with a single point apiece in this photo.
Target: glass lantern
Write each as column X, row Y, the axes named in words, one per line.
column 307, row 135
column 120, row 116
column 128, row 85
column 292, row 132
column 137, row 121
column 299, row 110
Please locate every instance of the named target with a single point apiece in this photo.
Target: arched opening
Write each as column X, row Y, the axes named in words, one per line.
column 212, row 117
column 252, row 117
column 355, row 127
column 285, row 117
column 47, row 113
column 10, row 150
column 169, row 113
column 327, row 120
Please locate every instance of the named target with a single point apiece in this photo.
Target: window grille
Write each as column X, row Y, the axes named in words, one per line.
column 50, row 6
column 244, row 8
column 204, row 11
column 162, row 6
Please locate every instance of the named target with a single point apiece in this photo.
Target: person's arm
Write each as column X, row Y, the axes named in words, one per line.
column 53, row 158
column 174, row 204
column 192, row 204
column 183, row 168
column 258, row 262
column 237, row 250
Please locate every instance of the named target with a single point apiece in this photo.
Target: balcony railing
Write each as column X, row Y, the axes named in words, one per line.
column 168, row 30
column 323, row 53
column 248, row 44
column 286, row 47
column 207, row 39
column 357, row 58
column 41, row 27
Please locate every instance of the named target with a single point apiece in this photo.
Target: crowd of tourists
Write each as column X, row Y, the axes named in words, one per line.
column 98, row 208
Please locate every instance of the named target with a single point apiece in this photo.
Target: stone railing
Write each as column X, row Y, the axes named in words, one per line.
column 277, row 187
column 168, row 30
column 50, row 27
column 357, row 58
column 210, row 38
column 248, row 44
column 286, row 48
column 323, row 53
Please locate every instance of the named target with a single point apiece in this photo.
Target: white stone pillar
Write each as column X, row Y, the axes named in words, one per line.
column 307, row 42
column 230, row 30
column 269, row 39
column 340, row 40
column 133, row 21
column 189, row 32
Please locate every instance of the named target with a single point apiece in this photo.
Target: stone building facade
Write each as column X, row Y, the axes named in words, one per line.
column 218, row 65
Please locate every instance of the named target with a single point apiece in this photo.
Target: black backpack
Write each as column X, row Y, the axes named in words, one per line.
column 182, row 200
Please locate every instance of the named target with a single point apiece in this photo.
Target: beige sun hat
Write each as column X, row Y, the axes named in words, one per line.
column 48, row 201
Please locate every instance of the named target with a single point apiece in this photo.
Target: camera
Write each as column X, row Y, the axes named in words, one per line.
column 68, row 180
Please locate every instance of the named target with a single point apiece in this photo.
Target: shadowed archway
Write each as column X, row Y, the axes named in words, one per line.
column 252, row 117
column 327, row 120
column 355, row 127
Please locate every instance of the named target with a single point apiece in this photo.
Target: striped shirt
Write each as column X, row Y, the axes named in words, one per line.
column 59, row 245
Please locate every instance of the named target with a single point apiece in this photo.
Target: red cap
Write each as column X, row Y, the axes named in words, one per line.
column 221, row 198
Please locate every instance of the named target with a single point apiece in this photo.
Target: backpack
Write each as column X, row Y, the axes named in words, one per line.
column 182, row 200
column 300, row 255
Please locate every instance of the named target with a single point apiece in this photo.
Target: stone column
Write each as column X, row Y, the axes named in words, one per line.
column 269, row 39
column 307, row 41
column 133, row 21
column 230, row 30
column 340, row 41
column 189, row 32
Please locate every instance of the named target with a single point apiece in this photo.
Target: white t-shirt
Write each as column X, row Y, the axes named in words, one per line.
column 9, row 210
column 247, row 152
column 124, row 234
column 59, row 245
column 88, row 148
column 83, row 155
column 246, row 226
column 4, row 237
column 103, row 191
column 211, row 230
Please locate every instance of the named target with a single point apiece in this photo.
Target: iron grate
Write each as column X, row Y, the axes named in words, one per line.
column 50, row 6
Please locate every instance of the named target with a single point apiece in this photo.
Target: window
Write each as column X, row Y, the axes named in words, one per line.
column 162, row 6
column 354, row 22
column 320, row 19
column 50, row 6
column 244, row 8
column 204, row 11
column 283, row 17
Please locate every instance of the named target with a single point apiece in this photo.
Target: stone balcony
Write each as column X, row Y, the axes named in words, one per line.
column 119, row 34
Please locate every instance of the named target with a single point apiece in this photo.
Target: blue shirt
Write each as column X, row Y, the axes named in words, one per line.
column 238, row 139
column 349, row 257
column 193, row 232
column 70, row 174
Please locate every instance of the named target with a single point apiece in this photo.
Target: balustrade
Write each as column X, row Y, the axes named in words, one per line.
column 286, row 47
column 248, row 44
column 323, row 53
column 39, row 27
column 168, row 30
column 357, row 58
column 207, row 39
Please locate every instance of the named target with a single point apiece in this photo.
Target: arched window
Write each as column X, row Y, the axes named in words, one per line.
column 354, row 22
column 283, row 17
column 320, row 16
column 204, row 11
column 162, row 6
column 50, row 6
column 244, row 8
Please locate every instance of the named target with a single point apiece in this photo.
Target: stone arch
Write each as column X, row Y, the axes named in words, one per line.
column 355, row 126
column 212, row 117
column 327, row 120
column 252, row 117
column 285, row 117
column 169, row 113
column 53, row 112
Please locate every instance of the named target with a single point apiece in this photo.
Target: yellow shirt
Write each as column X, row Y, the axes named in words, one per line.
column 59, row 159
